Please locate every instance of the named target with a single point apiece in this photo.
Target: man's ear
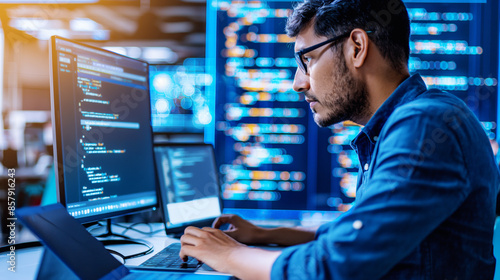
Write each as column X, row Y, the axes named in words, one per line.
column 358, row 44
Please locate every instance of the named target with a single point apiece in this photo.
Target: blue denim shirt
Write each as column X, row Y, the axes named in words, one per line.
column 425, row 202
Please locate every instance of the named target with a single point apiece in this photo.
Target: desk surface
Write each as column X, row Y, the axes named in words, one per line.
column 27, row 260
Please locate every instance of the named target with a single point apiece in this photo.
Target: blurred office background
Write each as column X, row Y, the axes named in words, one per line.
column 162, row 33
column 167, row 34
column 221, row 73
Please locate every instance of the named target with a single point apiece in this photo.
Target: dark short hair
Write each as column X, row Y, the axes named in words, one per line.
column 387, row 19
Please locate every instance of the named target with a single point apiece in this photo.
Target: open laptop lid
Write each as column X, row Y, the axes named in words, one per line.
column 70, row 242
column 189, row 185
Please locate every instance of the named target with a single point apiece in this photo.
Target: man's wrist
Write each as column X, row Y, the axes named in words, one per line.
column 251, row 263
column 262, row 236
column 234, row 260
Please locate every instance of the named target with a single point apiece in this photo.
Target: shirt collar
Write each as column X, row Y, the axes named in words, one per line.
column 407, row 91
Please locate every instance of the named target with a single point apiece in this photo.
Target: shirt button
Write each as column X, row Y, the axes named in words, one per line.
column 357, row 224
column 366, row 166
column 375, row 138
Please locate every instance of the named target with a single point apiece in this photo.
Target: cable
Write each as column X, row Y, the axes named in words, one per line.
column 131, row 227
column 127, row 228
column 149, row 246
column 118, row 254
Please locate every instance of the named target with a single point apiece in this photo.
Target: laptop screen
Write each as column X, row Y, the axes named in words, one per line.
column 189, row 185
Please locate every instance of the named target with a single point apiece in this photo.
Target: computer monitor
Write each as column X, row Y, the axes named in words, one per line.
column 102, row 131
column 189, row 182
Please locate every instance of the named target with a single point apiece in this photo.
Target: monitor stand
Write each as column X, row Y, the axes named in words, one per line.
column 123, row 241
column 109, row 232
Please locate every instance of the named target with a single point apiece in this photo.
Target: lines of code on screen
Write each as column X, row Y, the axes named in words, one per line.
column 272, row 154
column 105, row 131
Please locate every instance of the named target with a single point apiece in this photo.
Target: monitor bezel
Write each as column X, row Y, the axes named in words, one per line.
column 163, row 194
column 57, row 133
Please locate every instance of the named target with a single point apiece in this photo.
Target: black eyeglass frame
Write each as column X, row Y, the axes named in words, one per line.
column 298, row 55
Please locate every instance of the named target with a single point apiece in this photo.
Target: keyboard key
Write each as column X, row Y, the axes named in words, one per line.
column 169, row 258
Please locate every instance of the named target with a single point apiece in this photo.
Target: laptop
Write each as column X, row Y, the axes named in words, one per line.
column 70, row 250
column 189, row 195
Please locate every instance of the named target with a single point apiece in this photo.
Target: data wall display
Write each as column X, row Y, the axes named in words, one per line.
column 271, row 153
column 179, row 97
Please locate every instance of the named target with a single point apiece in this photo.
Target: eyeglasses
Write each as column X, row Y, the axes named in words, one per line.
column 299, row 55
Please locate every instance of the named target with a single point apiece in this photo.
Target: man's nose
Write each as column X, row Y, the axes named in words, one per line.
column 300, row 81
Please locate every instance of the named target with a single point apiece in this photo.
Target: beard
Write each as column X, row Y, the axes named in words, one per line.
column 348, row 99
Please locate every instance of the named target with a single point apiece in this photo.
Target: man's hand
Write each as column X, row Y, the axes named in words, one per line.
column 210, row 246
column 240, row 229
column 224, row 254
column 248, row 233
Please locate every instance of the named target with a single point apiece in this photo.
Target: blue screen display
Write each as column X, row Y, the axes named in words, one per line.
column 178, row 97
column 271, row 153
column 103, row 136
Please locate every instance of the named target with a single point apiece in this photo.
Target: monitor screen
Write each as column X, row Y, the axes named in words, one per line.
column 189, row 184
column 178, row 97
column 103, row 137
column 272, row 154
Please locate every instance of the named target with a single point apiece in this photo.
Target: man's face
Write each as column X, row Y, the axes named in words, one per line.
column 333, row 93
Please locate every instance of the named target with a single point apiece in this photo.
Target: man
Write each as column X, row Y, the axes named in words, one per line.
column 425, row 203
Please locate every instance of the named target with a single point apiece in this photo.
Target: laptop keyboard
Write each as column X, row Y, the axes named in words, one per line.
column 168, row 258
